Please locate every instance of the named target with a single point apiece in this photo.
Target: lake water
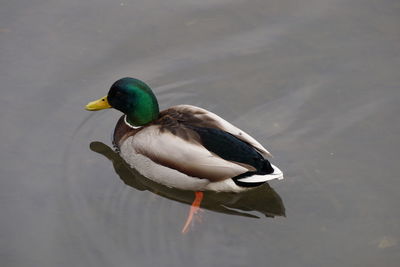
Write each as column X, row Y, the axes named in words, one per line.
column 315, row 81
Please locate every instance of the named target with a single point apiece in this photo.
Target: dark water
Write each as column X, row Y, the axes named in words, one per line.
column 315, row 81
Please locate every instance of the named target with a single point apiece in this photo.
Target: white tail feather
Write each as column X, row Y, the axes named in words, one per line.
column 277, row 174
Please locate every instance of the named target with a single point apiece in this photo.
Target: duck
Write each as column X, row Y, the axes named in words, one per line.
column 184, row 146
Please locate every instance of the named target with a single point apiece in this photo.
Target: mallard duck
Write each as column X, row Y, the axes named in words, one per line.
column 184, row 146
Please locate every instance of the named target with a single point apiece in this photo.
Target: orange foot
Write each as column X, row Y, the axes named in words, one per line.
column 194, row 208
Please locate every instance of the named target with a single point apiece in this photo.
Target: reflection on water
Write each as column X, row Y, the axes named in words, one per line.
column 263, row 199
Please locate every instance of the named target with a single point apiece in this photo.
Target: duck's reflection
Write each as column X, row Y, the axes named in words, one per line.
column 263, row 199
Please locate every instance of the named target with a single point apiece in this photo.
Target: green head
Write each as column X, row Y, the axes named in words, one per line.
column 133, row 98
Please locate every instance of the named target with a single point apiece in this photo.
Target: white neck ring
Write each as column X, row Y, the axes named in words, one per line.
column 130, row 125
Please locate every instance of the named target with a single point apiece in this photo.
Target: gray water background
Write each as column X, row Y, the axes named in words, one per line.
column 315, row 81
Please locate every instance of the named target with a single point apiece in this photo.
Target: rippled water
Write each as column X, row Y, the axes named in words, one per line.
column 316, row 82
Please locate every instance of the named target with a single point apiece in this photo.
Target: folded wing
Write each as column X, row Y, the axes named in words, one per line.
column 188, row 157
column 204, row 118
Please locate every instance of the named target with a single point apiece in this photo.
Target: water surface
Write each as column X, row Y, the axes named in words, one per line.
column 316, row 82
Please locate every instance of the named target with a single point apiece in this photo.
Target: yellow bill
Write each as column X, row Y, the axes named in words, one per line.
column 102, row 103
